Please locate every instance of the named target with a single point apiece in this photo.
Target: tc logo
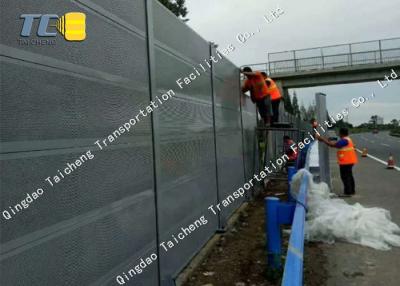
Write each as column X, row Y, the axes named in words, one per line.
column 72, row 25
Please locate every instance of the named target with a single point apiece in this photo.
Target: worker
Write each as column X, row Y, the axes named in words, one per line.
column 346, row 158
column 314, row 123
column 255, row 83
column 292, row 154
column 275, row 95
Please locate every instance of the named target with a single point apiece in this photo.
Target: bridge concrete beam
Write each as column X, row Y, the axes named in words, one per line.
column 345, row 75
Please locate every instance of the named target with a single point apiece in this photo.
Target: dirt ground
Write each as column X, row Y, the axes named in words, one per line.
column 239, row 257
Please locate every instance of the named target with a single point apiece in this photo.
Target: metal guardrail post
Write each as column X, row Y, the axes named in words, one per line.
column 380, row 51
column 243, row 134
column 211, row 50
column 269, row 65
column 322, row 58
column 322, row 115
column 276, row 213
column 295, row 63
column 350, row 56
column 155, row 127
column 273, row 235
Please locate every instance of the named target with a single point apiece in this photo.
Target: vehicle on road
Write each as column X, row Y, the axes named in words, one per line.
column 375, row 131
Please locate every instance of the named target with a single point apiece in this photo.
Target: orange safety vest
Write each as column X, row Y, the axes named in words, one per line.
column 347, row 155
column 258, row 87
column 273, row 90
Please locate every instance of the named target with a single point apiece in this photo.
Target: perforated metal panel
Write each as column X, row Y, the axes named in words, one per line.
column 249, row 142
column 57, row 100
column 228, row 133
column 186, row 142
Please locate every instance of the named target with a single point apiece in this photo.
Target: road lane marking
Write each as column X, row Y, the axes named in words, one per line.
column 378, row 160
column 383, row 144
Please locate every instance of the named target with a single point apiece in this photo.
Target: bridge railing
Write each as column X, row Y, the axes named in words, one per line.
column 327, row 57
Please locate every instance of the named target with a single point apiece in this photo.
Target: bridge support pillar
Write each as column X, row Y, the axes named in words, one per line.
column 285, row 95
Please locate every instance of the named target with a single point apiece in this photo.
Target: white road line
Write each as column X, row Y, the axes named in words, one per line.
column 378, row 160
column 383, row 144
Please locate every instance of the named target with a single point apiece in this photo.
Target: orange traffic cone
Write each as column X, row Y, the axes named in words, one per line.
column 390, row 163
column 364, row 152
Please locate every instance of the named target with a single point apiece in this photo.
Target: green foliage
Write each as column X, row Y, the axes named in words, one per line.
column 341, row 124
column 303, row 113
column 393, row 126
column 287, row 103
column 295, row 104
column 395, row 132
column 309, row 113
column 395, row 123
column 176, row 6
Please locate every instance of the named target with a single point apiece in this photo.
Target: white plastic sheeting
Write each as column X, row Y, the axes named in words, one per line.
column 330, row 219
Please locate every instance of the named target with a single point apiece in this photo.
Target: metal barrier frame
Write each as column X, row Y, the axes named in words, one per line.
column 293, row 272
column 293, row 213
column 323, row 60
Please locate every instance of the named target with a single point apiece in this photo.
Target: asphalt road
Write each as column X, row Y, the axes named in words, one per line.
column 379, row 145
column 351, row 264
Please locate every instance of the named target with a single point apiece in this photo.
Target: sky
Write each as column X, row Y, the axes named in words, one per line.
column 305, row 24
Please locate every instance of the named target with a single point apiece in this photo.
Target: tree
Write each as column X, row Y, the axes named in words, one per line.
column 295, row 104
column 176, row 6
column 287, row 102
column 303, row 112
column 394, row 122
column 341, row 124
column 311, row 112
column 374, row 119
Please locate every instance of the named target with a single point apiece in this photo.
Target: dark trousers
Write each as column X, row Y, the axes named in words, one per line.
column 275, row 110
column 346, row 174
column 264, row 107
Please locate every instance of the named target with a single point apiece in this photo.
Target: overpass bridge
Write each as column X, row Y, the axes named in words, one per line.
column 328, row 65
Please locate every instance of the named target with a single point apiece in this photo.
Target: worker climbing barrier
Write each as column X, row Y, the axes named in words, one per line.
column 133, row 191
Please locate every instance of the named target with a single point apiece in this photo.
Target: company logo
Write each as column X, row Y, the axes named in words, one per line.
column 71, row 25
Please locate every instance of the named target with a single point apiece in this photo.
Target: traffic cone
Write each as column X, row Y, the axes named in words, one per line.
column 390, row 163
column 364, row 152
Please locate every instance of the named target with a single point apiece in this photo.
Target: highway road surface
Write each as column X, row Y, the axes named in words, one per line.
column 351, row 264
column 379, row 145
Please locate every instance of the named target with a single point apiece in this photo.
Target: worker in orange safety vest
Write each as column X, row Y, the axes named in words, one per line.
column 255, row 83
column 275, row 95
column 346, row 158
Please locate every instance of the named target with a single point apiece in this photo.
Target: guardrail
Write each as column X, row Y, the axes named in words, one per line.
column 292, row 212
column 293, row 272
